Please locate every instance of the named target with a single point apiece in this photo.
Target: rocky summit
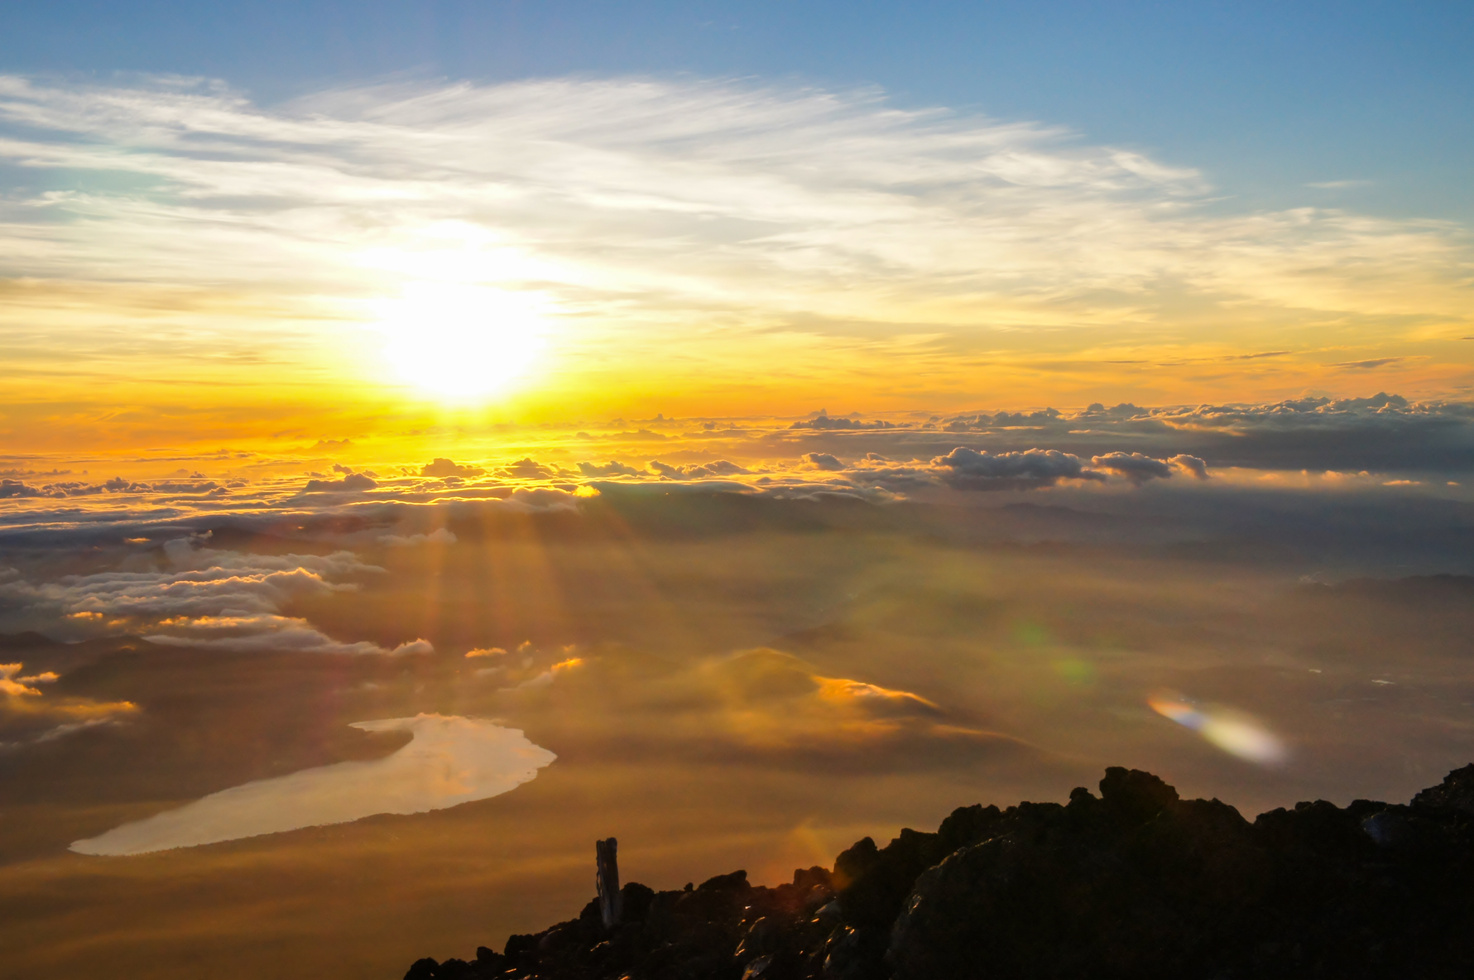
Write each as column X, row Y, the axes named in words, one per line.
column 1133, row 883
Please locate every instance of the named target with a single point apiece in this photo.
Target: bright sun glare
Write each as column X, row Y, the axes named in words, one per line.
column 462, row 342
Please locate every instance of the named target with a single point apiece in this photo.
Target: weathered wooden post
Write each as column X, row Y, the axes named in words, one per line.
column 608, row 881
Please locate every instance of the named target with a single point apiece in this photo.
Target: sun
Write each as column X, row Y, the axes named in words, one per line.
column 462, row 343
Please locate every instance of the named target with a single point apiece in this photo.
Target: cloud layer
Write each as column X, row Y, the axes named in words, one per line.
column 204, row 598
column 1381, row 440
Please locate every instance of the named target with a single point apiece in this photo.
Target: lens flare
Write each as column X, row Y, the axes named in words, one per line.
column 1239, row 734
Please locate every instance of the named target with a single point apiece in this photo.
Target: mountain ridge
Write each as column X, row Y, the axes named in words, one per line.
column 1133, row 883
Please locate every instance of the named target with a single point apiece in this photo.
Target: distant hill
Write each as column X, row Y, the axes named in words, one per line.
column 1413, row 589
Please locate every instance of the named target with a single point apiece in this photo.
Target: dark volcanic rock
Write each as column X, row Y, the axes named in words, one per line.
column 1456, row 792
column 1135, row 883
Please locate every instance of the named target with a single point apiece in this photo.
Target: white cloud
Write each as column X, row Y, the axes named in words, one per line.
column 209, row 598
column 438, row 536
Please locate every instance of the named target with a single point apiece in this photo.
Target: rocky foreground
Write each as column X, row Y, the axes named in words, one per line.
column 1134, row 883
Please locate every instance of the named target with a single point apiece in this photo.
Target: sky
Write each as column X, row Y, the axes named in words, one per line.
column 1274, row 98
column 437, row 435
column 560, row 212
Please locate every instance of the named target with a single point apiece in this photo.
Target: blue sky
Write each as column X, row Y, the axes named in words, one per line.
column 1265, row 98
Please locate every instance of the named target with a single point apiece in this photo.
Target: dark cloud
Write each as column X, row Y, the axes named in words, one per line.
column 117, row 485
column 1380, row 433
column 441, row 467
column 965, row 468
column 1133, row 466
column 1191, row 464
column 823, row 420
column 1003, row 420
column 528, row 469
column 824, row 461
column 720, row 467
column 73, row 488
column 352, row 483
column 611, row 468
column 973, row 469
column 723, row 467
column 1139, row 468
column 176, row 486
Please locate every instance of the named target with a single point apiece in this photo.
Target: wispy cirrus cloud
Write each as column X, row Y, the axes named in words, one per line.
column 635, row 207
